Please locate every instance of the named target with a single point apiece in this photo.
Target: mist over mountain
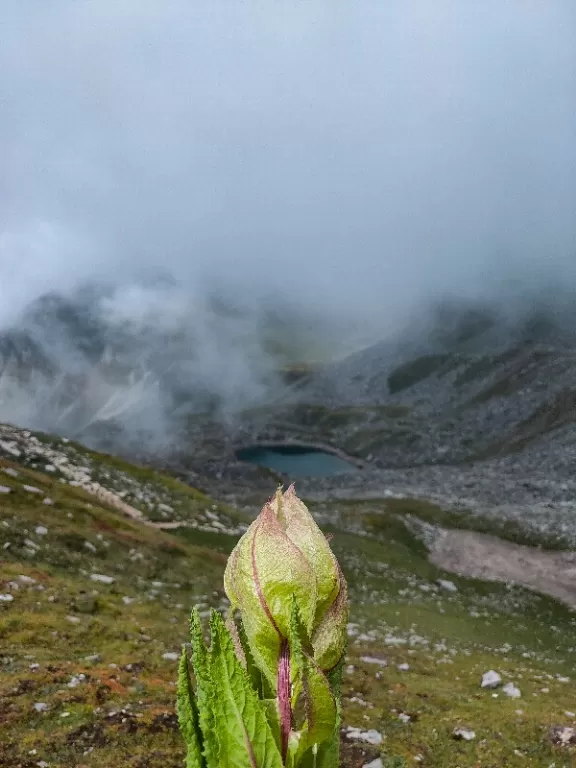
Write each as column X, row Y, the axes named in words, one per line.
column 312, row 179
column 139, row 356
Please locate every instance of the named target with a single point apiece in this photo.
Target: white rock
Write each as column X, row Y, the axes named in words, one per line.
column 48, row 501
column 491, row 679
column 127, row 600
column 464, row 733
column 404, row 717
column 448, row 585
column 566, row 735
column 171, row 656
column 73, row 619
column 370, row 737
column 76, row 680
column 11, row 472
column 404, row 667
column 511, row 690
column 100, row 577
column 5, row 489
column 374, row 764
column 40, row 706
column 26, row 579
column 90, row 546
column 41, row 530
column 6, row 598
column 373, row 660
column 31, row 489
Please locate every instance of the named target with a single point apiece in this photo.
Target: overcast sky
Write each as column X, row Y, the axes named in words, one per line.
column 361, row 155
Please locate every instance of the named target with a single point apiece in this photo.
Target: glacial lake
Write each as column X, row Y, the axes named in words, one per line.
column 296, row 460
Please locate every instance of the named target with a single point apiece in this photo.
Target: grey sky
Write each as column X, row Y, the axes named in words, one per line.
column 361, row 155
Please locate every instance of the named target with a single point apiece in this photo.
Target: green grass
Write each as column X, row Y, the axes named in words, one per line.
column 121, row 714
column 414, row 371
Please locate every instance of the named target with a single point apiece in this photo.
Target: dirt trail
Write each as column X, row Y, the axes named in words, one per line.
column 478, row 555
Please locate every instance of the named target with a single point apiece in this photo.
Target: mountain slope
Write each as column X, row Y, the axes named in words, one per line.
column 95, row 601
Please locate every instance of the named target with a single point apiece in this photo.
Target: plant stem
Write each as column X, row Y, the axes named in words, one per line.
column 284, row 706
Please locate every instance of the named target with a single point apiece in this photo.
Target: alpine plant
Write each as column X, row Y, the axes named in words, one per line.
column 266, row 692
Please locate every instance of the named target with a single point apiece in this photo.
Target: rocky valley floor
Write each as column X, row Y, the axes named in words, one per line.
column 102, row 561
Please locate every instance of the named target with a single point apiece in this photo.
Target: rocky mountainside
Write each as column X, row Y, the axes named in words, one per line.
column 463, row 632
column 102, row 561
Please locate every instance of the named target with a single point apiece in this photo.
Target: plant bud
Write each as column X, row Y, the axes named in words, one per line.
column 284, row 556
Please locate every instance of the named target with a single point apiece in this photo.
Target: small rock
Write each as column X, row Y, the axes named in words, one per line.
column 373, row 660
column 511, row 690
column 11, row 472
column 403, row 667
column 491, row 679
column 374, row 764
column 5, row 489
column 562, row 735
column 463, row 734
column 90, row 546
column 48, row 501
column 76, row 680
column 31, row 489
column 171, row 656
column 73, row 619
column 370, row 737
column 6, row 598
column 41, row 530
column 448, row 585
column 100, row 577
column 26, row 579
column 40, row 706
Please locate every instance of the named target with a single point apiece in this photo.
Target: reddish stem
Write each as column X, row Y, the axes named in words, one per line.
column 284, row 706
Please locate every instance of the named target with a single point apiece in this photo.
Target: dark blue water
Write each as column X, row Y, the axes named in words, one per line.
column 296, row 461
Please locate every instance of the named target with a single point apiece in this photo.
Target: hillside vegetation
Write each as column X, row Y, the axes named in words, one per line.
column 95, row 602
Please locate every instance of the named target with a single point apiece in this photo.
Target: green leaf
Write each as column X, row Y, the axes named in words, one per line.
column 311, row 685
column 205, row 693
column 246, row 739
column 328, row 755
column 320, row 707
column 259, row 682
column 188, row 716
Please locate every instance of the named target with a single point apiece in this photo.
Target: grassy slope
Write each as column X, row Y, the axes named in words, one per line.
column 122, row 712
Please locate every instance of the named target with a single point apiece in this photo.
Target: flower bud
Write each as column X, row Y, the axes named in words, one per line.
column 284, row 556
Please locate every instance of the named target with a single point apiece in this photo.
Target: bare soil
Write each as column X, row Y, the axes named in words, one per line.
column 481, row 556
